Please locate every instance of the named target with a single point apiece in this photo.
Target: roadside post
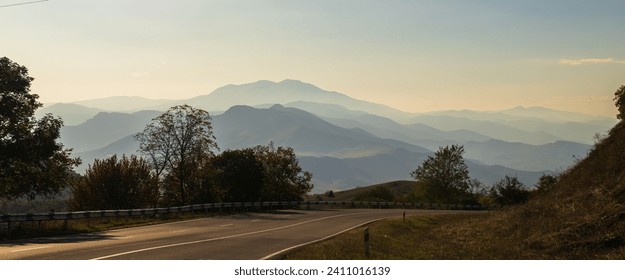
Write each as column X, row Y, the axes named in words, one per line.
column 367, row 252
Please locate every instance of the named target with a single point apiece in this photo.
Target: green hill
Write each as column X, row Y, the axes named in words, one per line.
column 394, row 190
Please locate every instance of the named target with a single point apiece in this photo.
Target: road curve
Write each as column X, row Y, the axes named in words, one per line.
column 240, row 236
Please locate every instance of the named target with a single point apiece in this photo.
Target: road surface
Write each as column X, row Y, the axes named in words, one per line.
column 239, row 236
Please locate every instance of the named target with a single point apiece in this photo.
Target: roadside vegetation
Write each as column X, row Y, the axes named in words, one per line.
column 395, row 239
column 179, row 163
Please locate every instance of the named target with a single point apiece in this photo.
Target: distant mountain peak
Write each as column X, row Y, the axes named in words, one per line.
column 298, row 83
column 288, row 85
column 277, row 107
column 292, row 81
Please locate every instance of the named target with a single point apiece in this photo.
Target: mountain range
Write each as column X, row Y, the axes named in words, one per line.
column 343, row 141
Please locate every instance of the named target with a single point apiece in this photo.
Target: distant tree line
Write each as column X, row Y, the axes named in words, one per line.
column 179, row 164
column 180, row 167
column 444, row 178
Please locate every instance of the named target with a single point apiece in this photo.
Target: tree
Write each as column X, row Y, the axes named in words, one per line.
column 32, row 163
column 179, row 142
column 330, row 194
column 239, row 174
column 445, row 176
column 509, row 190
column 127, row 183
column 283, row 178
column 619, row 101
column 545, row 183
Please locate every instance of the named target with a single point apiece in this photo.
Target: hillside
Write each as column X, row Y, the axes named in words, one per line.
column 71, row 114
column 526, row 129
column 396, row 188
column 103, row 129
column 581, row 217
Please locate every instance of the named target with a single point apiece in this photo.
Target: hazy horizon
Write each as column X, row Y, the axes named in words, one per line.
column 46, row 104
column 415, row 56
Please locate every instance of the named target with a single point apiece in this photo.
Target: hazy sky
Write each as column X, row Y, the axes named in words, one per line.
column 413, row 55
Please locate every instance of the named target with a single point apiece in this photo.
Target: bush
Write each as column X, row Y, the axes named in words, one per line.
column 509, row 190
column 112, row 184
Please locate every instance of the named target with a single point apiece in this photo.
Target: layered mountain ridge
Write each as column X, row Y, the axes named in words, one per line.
column 330, row 131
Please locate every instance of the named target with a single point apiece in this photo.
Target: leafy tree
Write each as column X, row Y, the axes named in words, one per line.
column 179, row 142
column 510, row 190
column 478, row 193
column 330, row 194
column 445, row 176
column 283, row 178
column 32, row 163
column 111, row 184
column 545, row 183
column 418, row 194
column 619, row 101
column 239, row 174
column 478, row 188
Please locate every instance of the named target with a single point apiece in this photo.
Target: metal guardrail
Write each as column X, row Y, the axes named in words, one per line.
column 135, row 212
column 226, row 205
column 66, row 216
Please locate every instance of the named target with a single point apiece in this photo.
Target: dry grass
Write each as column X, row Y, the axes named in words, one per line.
column 416, row 238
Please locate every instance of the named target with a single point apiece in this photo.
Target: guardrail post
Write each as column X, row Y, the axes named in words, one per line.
column 367, row 251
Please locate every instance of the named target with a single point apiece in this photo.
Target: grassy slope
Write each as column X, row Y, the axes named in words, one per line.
column 397, row 188
column 582, row 217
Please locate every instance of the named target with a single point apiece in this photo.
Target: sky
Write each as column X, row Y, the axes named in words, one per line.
column 416, row 56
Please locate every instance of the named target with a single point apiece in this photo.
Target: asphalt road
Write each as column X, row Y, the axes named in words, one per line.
column 241, row 236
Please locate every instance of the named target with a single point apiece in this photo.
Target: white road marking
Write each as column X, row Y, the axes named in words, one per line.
column 29, row 249
column 122, row 237
column 268, row 257
column 158, row 224
column 223, row 237
column 257, row 220
column 227, row 225
column 180, row 230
